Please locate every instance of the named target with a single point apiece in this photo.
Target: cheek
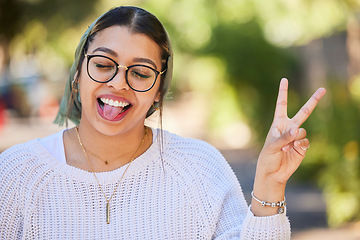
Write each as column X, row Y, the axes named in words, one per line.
column 148, row 98
column 87, row 87
column 83, row 89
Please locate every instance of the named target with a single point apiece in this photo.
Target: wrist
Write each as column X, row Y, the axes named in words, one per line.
column 268, row 187
column 270, row 191
column 279, row 205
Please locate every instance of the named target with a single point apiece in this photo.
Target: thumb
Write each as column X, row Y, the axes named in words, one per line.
column 283, row 141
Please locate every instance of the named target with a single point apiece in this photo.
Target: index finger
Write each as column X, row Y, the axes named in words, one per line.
column 308, row 107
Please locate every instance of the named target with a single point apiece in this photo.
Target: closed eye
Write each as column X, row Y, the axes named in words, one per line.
column 103, row 66
column 139, row 75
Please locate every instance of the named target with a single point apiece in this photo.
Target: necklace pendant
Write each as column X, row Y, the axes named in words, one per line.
column 106, row 162
column 108, row 212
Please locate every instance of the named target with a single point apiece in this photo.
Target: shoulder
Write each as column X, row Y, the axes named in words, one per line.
column 25, row 152
column 16, row 167
column 18, row 154
column 197, row 157
column 187, row 144
column 190, row 147
column 23, row 161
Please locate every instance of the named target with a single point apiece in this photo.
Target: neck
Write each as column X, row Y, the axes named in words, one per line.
column 109, row 152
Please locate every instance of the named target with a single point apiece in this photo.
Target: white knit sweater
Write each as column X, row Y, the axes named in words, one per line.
column 187, row 192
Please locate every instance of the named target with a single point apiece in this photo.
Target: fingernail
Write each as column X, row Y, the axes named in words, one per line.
column 297, row 143
column 293, row 131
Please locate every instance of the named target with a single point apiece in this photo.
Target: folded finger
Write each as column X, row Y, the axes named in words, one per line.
column 284, row 140
column 302, row 144
column 301, row 134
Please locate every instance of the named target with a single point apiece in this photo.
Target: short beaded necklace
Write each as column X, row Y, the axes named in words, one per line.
column 92, row 170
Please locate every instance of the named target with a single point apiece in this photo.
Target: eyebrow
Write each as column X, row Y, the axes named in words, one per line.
column 106, row 50
column 145, row 60
column 113, row 53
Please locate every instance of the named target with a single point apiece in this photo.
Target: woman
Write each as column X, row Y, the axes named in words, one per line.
column 111, row 177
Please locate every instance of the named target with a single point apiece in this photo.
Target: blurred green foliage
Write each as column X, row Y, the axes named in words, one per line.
column 233, row 53
column 251, row 43
column 253, row 67
column 334, row 163
column 53, row 17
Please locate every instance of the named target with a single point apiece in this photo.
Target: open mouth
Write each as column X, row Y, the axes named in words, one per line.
column 112, row 109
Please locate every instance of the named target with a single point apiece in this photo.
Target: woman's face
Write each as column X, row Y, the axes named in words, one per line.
column 113, row 107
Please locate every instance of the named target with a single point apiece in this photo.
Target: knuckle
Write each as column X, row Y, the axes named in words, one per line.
column 282, row 103
column 306, row 110
column 276, row 132
column 296, row 121
column 315, row 98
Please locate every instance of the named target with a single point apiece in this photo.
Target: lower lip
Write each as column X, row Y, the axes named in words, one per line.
column 119, row 117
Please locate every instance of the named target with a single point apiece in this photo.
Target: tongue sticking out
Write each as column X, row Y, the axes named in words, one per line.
column 111, row 112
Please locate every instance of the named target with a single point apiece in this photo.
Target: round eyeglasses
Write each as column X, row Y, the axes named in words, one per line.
column 140, row 78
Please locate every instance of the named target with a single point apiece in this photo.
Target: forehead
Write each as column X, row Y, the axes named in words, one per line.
column 126, row 45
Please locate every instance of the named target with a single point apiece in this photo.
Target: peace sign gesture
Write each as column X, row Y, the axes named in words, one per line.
column 285, row 146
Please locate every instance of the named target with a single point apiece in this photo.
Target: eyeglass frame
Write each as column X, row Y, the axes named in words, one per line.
column 157, row 73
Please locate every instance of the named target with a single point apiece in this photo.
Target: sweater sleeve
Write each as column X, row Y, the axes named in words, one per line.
column 270, row 227
column 234, row 219
column 234, row 223
column 11, row 217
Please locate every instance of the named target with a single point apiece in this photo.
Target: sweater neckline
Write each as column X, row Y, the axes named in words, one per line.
column 138, row 164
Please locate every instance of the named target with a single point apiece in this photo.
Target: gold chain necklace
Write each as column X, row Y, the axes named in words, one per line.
column 103, row 192
column 105, row 161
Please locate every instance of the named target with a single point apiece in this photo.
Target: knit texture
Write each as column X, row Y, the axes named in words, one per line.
column 187, row 192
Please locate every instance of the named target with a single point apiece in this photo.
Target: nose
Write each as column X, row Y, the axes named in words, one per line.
column 119, row 81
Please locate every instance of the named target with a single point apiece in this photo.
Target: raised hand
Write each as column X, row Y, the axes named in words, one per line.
column 285, row 147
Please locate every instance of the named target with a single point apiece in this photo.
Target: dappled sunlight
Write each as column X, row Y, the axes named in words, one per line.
column 205, row 75
column 351, row 151
column 354, row 87
column 236, row 11
column 234, row 136
column 345, row 203
column 293, row 22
